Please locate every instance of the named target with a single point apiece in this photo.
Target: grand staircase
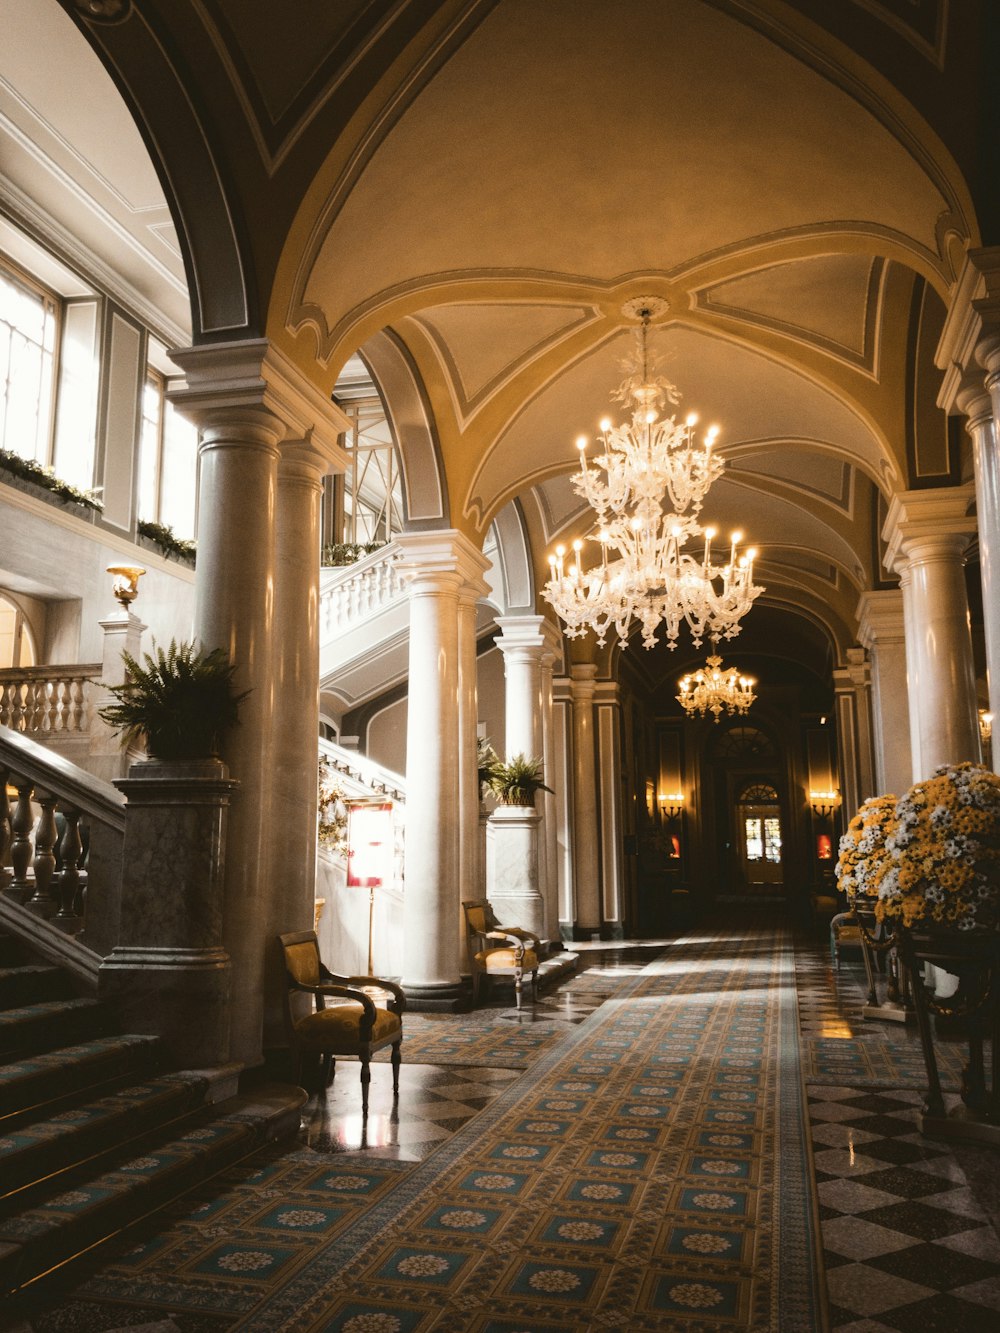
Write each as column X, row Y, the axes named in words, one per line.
column 96, row 1130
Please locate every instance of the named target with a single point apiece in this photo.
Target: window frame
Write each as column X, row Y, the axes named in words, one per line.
column 32, row 284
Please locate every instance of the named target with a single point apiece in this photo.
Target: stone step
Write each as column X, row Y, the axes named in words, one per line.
column 30, row 982
column 73, row 1223
column 50, row 1023
column 55, row 1079
column 11, row 950
column 34, row 1153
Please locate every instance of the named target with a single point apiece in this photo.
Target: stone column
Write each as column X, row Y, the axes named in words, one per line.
column 983, row 413
column 522, row 642
column 123, row 632
column 928, row 532
column 246, row 398
column 852, row 688
column 609, row 773
column 548, row 851
column 881, row 631
column 436, row 566
column 586, row 870
column 295, row 724
column 471, row 877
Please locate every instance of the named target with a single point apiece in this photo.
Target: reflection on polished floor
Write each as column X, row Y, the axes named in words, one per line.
column 909, row 1227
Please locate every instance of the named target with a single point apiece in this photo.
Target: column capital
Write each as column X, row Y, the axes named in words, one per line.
column 880, row 617
column 253, row 374
column 855, row 674
column 582, row 682
column 923, row 523
column 522, row 634
column 445, row 555
column 973, row 319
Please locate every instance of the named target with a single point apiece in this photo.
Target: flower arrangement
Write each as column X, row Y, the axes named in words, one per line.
column 332, row 811
column 28, row 470
column 945, row 852
column 863, row 858
column 337, row 554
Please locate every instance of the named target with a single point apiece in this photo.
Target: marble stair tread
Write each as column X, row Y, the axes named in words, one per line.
column 70, row 1138
column 27, row 983
column 74, row 1221
column 52, row 1078
column 49, row 1023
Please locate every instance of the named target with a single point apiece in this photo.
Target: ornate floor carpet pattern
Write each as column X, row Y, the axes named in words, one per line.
column 650, row 1172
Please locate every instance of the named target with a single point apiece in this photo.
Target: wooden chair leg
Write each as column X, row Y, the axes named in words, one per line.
column 397, row 1057
column 366, row 1078
column 328, row 1071
column 534, row 986
column 517, row 987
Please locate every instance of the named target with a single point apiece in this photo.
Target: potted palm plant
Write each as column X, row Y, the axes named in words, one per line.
column 514, row 781
column 178, row 703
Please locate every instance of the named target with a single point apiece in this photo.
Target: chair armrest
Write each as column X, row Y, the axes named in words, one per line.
column 395, row 990
column 347, row 992
column 519, row 943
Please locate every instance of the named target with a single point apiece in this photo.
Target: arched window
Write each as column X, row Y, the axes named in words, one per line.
column 743, row 742
column 16, row 646
column 760, row 831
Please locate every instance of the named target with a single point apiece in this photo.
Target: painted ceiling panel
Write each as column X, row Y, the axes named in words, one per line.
column 828, row 297
column 484, row 343
column 810, row 471
column 635, row 163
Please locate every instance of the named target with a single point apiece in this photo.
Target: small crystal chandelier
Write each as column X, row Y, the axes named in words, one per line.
column 714, row 690
column 648, row 576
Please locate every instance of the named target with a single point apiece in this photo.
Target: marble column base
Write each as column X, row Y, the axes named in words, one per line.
column 181, row 995
column 512, row 884
column 445, row 999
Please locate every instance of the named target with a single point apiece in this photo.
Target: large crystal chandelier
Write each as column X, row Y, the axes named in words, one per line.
column 714, row 690
column 646, row 487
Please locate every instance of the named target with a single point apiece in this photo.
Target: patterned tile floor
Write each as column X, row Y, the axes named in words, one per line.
column 910, row 1226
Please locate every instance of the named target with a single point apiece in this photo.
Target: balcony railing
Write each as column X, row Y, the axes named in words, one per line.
column 46, row 699
column 350, row 593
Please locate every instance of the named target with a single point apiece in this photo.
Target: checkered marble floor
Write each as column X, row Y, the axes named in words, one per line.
column 908, row 1223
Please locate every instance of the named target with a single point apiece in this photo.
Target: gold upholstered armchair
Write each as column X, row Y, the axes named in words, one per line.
column 353, row 1027
column 498, row 951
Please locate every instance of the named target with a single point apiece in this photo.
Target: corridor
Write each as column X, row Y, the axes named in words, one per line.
column 697, row 1133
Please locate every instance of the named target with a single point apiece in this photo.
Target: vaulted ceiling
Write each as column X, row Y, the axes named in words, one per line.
column 489, row 182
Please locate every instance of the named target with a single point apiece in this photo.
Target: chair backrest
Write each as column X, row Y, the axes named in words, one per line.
column 301, row 951
column 479, row 920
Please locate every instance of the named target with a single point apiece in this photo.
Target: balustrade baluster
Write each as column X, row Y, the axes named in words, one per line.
column 5, row 830
column 21, row 849
column 41, row 902
column 4, row 704
column 69, row 886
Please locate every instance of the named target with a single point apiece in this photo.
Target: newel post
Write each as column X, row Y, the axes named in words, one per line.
column 169, row 973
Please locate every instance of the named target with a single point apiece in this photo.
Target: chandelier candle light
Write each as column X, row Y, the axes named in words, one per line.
column 645, row 574
column 714, row 690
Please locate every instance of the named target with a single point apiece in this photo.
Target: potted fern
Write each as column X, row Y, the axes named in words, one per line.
column 514, row 781
column 179, row 703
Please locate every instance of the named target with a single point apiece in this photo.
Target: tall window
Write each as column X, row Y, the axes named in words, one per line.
column 29, row 329
column 373, row 494
column 16, row 647
column 168, row 460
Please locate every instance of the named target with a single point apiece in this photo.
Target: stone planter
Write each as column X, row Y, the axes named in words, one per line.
column 512, row 880
column 974, row 957
column 168, row 973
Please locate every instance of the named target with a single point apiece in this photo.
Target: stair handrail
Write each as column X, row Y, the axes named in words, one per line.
column 66, row 781
column 366, row 772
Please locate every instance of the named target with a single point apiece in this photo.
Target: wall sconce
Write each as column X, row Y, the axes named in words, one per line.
column 985, row 726
column 824, row 802
column 125, row 582
column 671, row 804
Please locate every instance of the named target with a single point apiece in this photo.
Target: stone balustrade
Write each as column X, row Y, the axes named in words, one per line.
column 47, row 699
column 65, row 870
column 350, row 593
